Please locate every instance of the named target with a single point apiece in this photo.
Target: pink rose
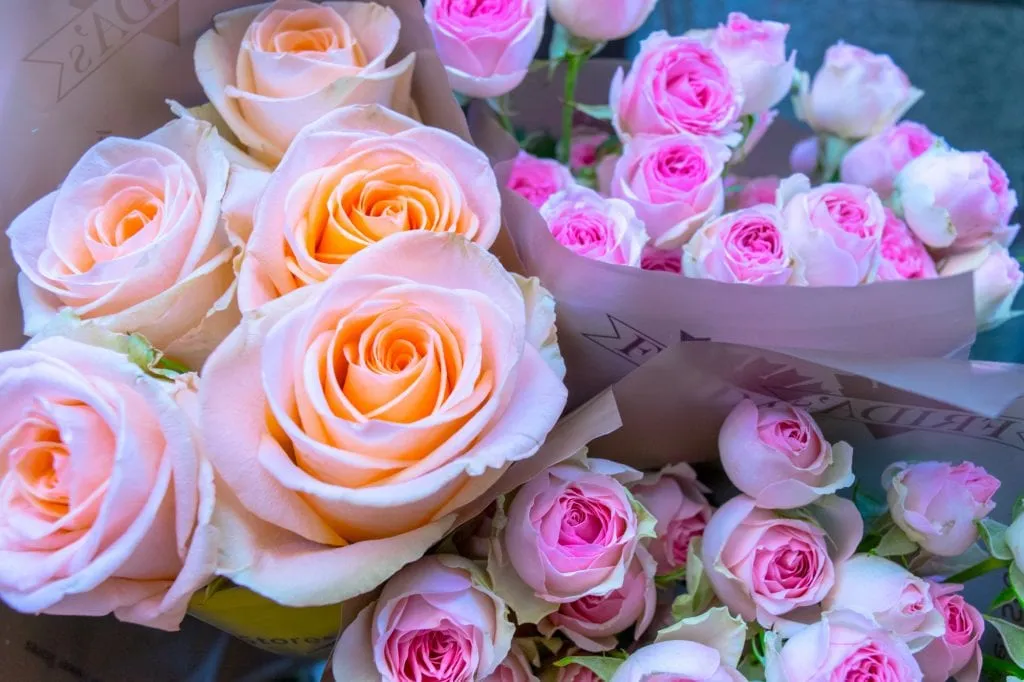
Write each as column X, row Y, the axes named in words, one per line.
column 676, row 661
column 537, row 179
column 761, row 123
column 571, row 532
column 775, row 568
column 661, row 260
column 903, row 256
column 676, row 499
column 673, row 182
column 842, row 646
column 876, row 161
column 107, row 500
column 585, row 144
column 675, row 84
column 435, row 619
column 957, row 653
column 601, row 20
column 756, row 52
column 778, row 456
column 357, row 176
column 364, row 411
column 855, row 93
column 937, row 504
column 836, row 230
column 747, row 192
column 574, row 672
column 956, row 200
column 591, row 226
column 486, row 47
column 803, row 158
column 592, row 622
column 515, row 668
column 749, row 246
column 272, row 69
column 997, row 279
column 134, row 240
column 889, row 594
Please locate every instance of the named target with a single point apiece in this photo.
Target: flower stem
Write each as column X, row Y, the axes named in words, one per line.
column 574, row 60
column 987, row 566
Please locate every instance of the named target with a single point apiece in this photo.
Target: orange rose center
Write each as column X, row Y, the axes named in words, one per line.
column 39, row 464
column 318, row 29
column 118, row 226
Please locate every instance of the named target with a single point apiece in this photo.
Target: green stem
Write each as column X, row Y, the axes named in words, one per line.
column 987, row 566
column 574, row 61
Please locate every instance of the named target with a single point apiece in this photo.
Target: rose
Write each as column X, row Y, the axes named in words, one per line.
column 601, row 20
column 541, row 332
column 571, row 532
column 956, row 200
column 537, row 179
column 661, row 260
column 366, row 410
column 855, row 93
column 997, row 279
column 778, row 456
column 891, row 595
column 803, row 157
column 776, row 568
column 842, row 646
column 357, row 176
column 591, row 226
column 876, row 161
column 759, row 125
column 748, row 246
column 676, row 660
column 574, row 672
column 756, row 52
column 704, row 98
column 747, row 192
column 515, row 668
column 486, row 47
column 107, row 499
column 937, row 504
column 586, row 143
column 956, row 653
column 903, row 256
column 836, row 230
column 435, row 619
column 673, row 182
column 271, row 69
column 676, row 499
column 133, row 240
column 592, row 622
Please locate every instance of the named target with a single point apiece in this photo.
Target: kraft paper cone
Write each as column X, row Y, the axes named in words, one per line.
column 612, row 319
column 75, row 71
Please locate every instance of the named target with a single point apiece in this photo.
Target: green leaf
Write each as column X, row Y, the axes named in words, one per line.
column 1017, row 583
column 669, row 579
column 831, row 150
column 895, row 543
column 540, row 144
column 1018, row 506
column 868, row 506
column 601, row 112
column 1013, row 637
column 995, row 668
column 993, row 534
column 602, row 666
column 559, row 45
column 1005, row 597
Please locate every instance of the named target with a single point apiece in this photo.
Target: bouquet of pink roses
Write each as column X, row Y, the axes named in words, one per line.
column 634, row 211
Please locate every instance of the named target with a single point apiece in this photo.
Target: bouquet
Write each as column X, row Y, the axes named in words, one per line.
column 636, row 211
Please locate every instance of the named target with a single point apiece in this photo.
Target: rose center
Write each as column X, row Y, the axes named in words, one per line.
column 441, row 654
column 586, row 521
column 959, row 626
column 124, row 215
column 682, row 168
column 787, row 570
column 866, row 664
column 459, row 15
column 850, row 216
column 308, row 31
column 754, row 242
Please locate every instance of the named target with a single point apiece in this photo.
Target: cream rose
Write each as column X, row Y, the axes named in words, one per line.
column 353, row 178
column 134, row 240
column 272, row 69
column 353, row 418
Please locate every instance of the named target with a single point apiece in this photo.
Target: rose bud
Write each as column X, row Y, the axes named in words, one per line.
column 997, row 279
column 756, row 52
column 538, row 179
column 937, row 503
column 574, row 672
column 486, row 47
column 803, row 157
column 957, row 652
column 591, row 226
column 676, row 499
column 662, row 260
column 855, row 93
column 749, row 246
column 743, row 192
column 585, row 144
column 876, row 161
column 601, row 20
column 956, row 200
column 773, row 568
column 903, row 255
column 676, row 660
column 435, row 619
column 515, row 668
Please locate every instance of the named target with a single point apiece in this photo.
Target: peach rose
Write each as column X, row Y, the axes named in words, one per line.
column 106, row 498
column 353, row 418
column 356, row 176
column 134, row 240
column 271, row 69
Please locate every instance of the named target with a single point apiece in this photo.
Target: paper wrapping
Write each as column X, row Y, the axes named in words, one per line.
column 75, row 71
column 612, row 319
